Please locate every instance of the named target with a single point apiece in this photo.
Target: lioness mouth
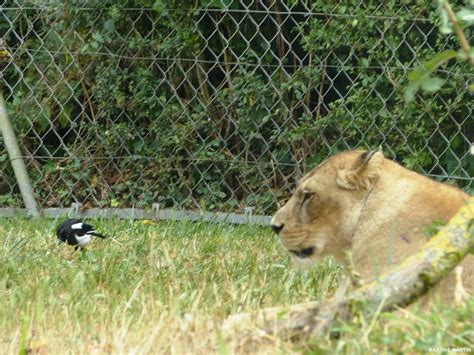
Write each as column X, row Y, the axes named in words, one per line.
column 303, row 253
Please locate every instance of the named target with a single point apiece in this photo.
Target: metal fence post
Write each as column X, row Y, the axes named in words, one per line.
column 17, row 162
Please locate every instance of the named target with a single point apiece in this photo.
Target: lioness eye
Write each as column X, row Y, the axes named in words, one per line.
column 306, row 196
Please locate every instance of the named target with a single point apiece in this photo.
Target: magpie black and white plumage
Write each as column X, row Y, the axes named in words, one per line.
column 74, row 232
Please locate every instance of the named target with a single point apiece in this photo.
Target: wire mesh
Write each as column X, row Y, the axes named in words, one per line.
column 219, row 105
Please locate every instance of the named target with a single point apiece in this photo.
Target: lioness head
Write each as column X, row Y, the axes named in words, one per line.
column 321, row 216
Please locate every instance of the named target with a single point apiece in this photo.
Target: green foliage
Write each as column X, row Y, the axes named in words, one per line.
column 421, row 77
column 465, row 16
column 435, row 227
column 149, row 117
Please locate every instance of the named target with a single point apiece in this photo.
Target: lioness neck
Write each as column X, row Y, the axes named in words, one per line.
column 391, row 223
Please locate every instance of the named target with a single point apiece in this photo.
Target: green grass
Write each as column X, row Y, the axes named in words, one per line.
column 166, row 287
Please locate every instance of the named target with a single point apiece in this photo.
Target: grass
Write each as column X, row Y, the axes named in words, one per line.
column 166, row 287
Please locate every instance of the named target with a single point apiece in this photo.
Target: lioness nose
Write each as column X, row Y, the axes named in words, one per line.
column 277, row 228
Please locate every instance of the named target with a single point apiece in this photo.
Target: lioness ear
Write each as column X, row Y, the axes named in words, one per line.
column 363, row 173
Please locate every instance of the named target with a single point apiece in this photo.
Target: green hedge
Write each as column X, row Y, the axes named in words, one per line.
column 210, row 109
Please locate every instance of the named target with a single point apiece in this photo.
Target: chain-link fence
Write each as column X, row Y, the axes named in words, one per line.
column 219, row 104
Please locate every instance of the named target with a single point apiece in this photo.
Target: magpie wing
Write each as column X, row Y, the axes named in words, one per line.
column 88, row 229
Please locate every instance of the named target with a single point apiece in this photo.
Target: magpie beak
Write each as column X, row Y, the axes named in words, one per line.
column 74, row 232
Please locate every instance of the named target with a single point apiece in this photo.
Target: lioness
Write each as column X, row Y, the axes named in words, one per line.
column 362, row 203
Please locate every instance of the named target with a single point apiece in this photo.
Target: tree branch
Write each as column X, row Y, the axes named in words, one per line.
column 459, row 32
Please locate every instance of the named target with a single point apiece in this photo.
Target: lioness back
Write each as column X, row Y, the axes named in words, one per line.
column 368, row 205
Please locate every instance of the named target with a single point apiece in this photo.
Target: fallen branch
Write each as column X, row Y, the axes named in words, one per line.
column 400, row 287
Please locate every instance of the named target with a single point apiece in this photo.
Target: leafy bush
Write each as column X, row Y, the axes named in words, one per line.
column 131, row 102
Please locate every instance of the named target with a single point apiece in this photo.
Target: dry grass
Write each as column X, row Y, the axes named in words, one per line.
column 166, row 288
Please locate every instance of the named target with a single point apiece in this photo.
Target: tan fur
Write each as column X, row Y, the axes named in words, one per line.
column 374, row 208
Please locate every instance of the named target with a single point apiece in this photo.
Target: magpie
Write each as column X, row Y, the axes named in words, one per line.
column 74, row 232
